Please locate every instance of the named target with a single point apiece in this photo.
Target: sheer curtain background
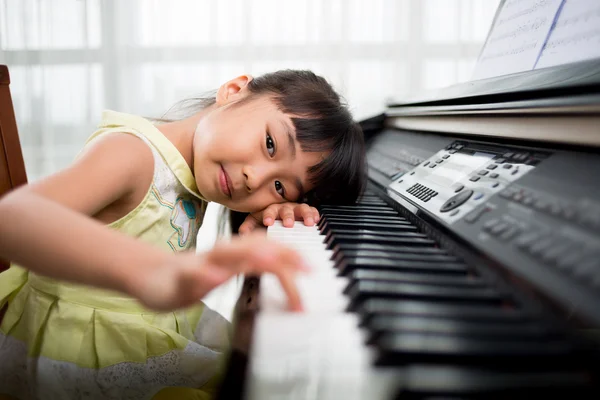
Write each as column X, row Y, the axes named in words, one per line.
column 70, row 59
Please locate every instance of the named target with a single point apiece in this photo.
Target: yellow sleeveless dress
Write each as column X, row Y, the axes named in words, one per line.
column 61, row 340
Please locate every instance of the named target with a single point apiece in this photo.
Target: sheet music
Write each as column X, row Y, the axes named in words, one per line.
column 575, row 36
column 517, row 37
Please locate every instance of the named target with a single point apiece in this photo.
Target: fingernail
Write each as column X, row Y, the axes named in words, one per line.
column 289, row 221
column 309, row 221
column 268, row 221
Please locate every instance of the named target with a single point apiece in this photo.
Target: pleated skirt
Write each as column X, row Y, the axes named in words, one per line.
column 67, row 341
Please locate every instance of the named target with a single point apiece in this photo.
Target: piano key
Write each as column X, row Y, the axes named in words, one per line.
column 350, row 255
column 433, row 381
column 368, row 238
column 359, row 208
column 405, row 348
column 368, row 220
column 343, row 248
column 363, row 290
column 349, row 265
column 383, row 227
column 479, row 312
column 521, row 331
column 364, row 213
column 361, row 274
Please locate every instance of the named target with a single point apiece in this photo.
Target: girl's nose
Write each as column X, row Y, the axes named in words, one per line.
column 255, row 176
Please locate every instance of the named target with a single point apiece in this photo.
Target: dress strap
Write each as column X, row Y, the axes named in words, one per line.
column 113, row 121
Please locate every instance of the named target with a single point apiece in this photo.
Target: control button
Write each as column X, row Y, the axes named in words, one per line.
column 494, row 175
column 426, row 164
column 453, row 213
column 526, row 239
column 499, row 160
column 451, row 151
column 474, row 179
column 458, row 146
column 508, row 193
column 412, row 173
column 478, row 196
column 510, row 233
column 521, row 157
column 445, row 156
column 536, row 249
column 492, row 166
column 499, row 228
column 507, row 155
column 474, row 215
column 456, row 200
column 552, row 254
column 483, row 172
column 514, row 172
column 495, row 185
column 432, row 165
column 459, row 188
column 527, row 200
column 491, row 223
column 439, row 161
column 507, row 166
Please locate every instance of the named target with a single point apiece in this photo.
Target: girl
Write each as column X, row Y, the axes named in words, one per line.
column 104, row 302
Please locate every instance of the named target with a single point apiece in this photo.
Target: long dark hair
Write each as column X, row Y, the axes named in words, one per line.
column 322, row 123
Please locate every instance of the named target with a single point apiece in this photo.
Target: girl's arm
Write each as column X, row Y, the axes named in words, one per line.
column 46, row 227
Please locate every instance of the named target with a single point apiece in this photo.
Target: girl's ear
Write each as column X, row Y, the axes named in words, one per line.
column 233, row 90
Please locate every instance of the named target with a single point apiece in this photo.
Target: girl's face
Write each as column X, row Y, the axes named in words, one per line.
column 246, row 156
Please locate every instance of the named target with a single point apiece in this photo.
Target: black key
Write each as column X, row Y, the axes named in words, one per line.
column 358, row 213
column 444, row 381
column 324, row 209
column 371, row 226
column 365, row 231
column 407, row 348
column 361, row 291
column 347, row 266
column 342, row 248
column 396, row 260
column 443, row 326
column 467, row 312
column 369, row 238
column 349, row 254
column 367, row 219
column 366, row 275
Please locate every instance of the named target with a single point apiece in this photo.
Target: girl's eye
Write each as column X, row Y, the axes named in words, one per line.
column 279, row 188
column 270, row 145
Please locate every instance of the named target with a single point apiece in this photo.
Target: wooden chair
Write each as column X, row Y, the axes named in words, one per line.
column 12, row 167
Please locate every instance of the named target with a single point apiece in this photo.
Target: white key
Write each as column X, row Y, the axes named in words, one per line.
column 317, row 354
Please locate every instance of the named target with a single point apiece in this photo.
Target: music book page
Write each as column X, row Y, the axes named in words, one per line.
column 517, row 37
column 575, row 36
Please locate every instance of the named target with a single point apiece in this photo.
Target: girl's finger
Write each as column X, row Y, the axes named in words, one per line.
column 249, row 224
column 255, row 250
column 316, row 214
column 306, row 213
column 286, row 213
column 269, row 214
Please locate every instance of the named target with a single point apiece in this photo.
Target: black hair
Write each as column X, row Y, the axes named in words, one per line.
column 323, row 123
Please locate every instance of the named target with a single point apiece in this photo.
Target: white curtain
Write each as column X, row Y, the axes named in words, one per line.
column 69, row 59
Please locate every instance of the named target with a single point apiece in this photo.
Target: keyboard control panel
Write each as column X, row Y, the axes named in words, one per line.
column 456, row 180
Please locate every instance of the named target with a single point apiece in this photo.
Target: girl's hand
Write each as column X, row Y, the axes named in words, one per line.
column 191, row 276
column 287, row 212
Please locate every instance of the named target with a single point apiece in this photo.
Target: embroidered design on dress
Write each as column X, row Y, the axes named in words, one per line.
column 185, row 219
